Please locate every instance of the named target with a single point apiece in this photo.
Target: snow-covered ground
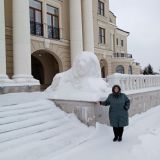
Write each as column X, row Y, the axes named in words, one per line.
column 36, row 129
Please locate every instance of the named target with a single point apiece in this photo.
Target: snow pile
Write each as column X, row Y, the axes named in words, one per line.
column 82, row 82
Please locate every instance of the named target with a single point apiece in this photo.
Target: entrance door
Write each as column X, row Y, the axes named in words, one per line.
column 44, row 67
column 37, row 70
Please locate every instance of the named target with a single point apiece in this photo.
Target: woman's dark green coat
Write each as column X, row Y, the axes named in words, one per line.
column 118, row 111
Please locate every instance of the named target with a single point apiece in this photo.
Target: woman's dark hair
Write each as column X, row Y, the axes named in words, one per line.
column 115, row 87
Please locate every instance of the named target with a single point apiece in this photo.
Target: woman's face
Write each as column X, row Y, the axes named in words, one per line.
column 116, row 89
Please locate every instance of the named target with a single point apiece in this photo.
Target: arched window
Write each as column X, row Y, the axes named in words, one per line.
column 104, row 68
column 130, row 70
column 120, row 69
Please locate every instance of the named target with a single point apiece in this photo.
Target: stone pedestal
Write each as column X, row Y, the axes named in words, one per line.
column 87, row 112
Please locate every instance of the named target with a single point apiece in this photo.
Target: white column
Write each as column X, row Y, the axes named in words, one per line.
column 3, row 76
column 21, row 42
column 76, row 40
column 88, row 34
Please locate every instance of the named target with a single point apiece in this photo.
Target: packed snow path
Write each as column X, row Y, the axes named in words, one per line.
column 34, row 130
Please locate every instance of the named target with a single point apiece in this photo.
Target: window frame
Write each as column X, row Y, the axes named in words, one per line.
column 117, row 41
column 34, row 17
column 102, row 35
column 122, row 43
column 52, row 25
column 101, row 8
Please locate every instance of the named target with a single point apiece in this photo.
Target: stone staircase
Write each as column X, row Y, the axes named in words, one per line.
column 38, row 130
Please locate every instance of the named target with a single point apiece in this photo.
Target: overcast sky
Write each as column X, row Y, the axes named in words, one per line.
column 142, row 19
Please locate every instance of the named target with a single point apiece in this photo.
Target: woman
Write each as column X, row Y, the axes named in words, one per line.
column 118, row 111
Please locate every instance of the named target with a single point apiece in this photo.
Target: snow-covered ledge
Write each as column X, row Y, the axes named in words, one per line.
column 11, row 86
column 14, row 88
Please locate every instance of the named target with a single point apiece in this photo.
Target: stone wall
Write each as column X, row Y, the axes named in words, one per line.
column 141, row 102
column 14, row 89
column 91, row 112
column 85, row 111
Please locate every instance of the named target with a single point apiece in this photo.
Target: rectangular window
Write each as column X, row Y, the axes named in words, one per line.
column 36, row 25
column 101, row 8
column 53, row 22
column 122, row 43
column 102, row 35
column 117, row 41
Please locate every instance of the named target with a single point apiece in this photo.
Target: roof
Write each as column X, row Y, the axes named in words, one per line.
column 112, row 13
column 123, row 31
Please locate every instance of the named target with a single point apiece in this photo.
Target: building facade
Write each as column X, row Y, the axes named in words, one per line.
column 40, row 38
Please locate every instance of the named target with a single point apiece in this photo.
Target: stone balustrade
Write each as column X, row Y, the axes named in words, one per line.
column 133, row 82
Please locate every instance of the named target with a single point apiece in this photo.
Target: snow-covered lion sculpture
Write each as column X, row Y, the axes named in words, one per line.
column 82, row 82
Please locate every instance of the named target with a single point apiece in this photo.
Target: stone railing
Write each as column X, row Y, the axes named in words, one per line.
column 134, row 82
column 122, row 55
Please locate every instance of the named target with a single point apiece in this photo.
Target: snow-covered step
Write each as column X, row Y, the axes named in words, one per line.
column 50, row 148
column 27, row 116
column 37, row 125
column 12, row 119
column 64, row 143
column 27, row 123
column 25, row 105
column 23, row 111
column 36, row 137
column 16, row 134
column 25, row 108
